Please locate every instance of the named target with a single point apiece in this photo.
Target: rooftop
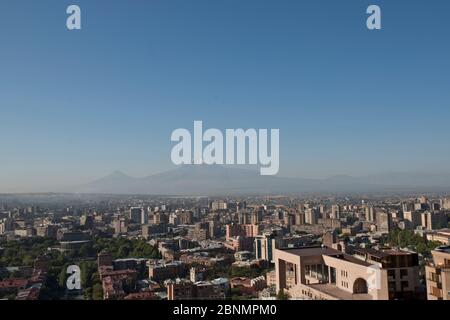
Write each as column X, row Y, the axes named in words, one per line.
column 445, row 249
column 334, row 291
column 311, row 251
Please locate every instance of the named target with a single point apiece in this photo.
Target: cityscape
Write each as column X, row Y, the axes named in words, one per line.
column 224, row 157
column 136, row 247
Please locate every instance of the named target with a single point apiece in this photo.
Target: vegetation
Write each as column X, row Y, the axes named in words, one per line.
column 282, row 295
column 24, row 252
column 233, row 272
column 125, row 248
column 407, row 238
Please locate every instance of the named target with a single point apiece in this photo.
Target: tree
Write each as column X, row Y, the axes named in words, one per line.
column 97, row 292
column 282, row 295
column 62, row 277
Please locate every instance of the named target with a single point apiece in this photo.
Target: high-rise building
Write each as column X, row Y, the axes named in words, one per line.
column 136, row 214
column 244, row 230
column 255, row 217
column 445, row 203
column 335, row 211
column 407, row 206
column 200, row 232
column 299, row 218
column 218, row 205
column 186, row 217
column 311, row 216
column 433, row 220
column 120, row 226
column 369, row 213
column 384, row 222
column 265, row 245
column 413, row 218
column 437, row 274
column 144, row 216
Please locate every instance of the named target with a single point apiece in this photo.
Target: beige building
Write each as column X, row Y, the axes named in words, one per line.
column 433, row 220
column 442, row 236
column 413, row 217
column 438, row 274
column 322, row 273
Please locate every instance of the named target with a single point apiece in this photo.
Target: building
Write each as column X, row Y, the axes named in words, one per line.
column 445, row 203
column 240, row 243
column 384, row 222
column 369, row 213
column 12, row 286
column 322, row 273
column 137, row 264
column 248, row 286
column 271, row 278
column 311, row 216
column 433, row 220
column 335, row 211
column 186, row 217
column 120, row 226
column 47, row 231
column 87, row 221
column 104, row 259
column 264, row 246
column 197, row 274
column 402, row 270
column 218, row 205
column 200, row 232
column 442, row 236
column 413, row 218
column 243, row 230
column 437, row 274
column 163, row 271
column 181, row 289
column 6, row 224
column 300, row 218
column 149, row 230
column 136, row 214
column 243, row 255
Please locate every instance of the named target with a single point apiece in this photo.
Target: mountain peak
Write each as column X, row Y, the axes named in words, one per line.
column 117, row 174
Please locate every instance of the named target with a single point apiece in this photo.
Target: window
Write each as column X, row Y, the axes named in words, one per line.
column 391, row 273
column 404, row 285
column 391, row 285
column 403, row 273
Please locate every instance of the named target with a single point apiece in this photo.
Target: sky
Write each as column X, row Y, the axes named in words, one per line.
column 78, row 105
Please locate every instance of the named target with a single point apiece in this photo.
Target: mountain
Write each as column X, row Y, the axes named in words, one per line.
column 221, row 180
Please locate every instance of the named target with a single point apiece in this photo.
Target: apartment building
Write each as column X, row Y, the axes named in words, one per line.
column 323, row 273
column 438, row 274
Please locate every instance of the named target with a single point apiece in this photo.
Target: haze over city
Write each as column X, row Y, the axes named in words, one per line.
column 77, row 106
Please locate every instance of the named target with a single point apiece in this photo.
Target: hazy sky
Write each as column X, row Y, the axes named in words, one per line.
column 77, row 105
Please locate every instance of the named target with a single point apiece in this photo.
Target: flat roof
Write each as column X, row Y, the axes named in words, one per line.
column 445, row 249
column 334, row 291
column 330, row 252
column 372, row 252
column 311, row 251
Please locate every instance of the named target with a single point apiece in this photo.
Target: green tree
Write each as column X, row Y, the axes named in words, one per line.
column 282, row 295
column 97, row 292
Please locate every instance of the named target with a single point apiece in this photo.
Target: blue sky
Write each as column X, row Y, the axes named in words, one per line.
column 77, row 105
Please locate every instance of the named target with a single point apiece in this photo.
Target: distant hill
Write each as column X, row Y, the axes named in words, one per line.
column 221, row 180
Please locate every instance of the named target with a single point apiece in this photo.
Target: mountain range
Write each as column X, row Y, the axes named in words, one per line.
column 221, row 180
